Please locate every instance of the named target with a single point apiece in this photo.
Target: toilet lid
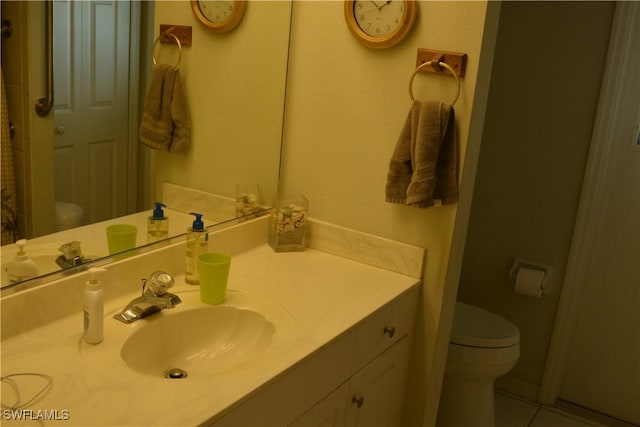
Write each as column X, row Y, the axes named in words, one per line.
column 475, row 327
column 68, row 213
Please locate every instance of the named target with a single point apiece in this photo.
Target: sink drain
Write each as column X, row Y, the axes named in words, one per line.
column 175, row 373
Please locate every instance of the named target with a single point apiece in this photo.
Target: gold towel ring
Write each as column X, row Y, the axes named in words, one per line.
column 441, row 64
column 157, row 40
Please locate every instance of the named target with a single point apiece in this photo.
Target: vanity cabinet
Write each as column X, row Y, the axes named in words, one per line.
column 377, row 392
column 357, row 379
column 372, row 397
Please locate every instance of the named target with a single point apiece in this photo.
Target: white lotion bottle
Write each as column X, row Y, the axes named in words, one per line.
column 93, row 308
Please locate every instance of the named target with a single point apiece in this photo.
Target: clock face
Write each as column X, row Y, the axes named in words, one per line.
column 216, row 10
column 378, row 18
column 380, row 24
column 219, row 15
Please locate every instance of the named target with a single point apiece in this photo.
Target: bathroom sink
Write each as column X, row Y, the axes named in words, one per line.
column 198, row 341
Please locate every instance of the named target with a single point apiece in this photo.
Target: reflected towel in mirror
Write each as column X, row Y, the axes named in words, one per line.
column 423, row 170
column 166, row 122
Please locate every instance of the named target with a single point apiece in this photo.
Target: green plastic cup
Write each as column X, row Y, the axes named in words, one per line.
column 213, row 271
column 121, row 237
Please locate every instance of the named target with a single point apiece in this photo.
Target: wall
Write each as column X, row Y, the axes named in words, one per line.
column 345, row 107
column 542, row 104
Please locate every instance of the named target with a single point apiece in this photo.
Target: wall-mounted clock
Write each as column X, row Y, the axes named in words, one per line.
column 380, row 24
column 217, row 15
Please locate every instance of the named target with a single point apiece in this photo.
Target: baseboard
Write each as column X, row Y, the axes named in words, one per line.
column 518, row 388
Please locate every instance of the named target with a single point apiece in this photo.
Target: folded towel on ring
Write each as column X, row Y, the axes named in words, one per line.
column 423, row 170
column 166, row 122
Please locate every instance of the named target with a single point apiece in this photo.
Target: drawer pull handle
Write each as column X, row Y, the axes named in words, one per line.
column 359, row 401
column 389, row 331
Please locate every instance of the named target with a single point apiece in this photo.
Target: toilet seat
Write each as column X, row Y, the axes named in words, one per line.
column 476, row 327
column 483, row 346
column 68, row 215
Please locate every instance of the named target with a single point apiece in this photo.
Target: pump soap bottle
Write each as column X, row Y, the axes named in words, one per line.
column 197, row 243
column 22, row 267
column 93, row 308
column 157, row 224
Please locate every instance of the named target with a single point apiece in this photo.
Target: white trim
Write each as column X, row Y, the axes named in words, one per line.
column 134, row 95
column 613, row 83
column 517, row 387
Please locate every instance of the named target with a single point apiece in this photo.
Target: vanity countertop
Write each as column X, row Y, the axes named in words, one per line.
column 322, row 295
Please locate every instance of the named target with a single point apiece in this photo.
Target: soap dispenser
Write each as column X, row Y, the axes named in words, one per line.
column 197, row 243
column 157, row 224
column 22, row 267
column 93, row 308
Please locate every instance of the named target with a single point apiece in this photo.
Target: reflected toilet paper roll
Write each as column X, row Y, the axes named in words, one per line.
column 529, row 282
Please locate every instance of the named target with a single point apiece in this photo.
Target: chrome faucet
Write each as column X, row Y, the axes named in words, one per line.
column 71, row 255
column 153, row 299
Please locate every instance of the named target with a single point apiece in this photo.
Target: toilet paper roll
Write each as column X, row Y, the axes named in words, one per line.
column 529, row 282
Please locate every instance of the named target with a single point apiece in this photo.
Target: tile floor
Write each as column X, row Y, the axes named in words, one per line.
column 514, row 412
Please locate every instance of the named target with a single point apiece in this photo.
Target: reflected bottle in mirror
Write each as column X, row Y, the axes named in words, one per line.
column 157, row 224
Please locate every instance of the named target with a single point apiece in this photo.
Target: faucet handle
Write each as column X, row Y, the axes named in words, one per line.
column 71, row 250
column 161, row 281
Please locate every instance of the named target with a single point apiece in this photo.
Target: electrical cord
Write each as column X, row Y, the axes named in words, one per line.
column 18, row 404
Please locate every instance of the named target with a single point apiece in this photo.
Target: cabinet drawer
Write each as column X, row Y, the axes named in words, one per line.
column 379, row 331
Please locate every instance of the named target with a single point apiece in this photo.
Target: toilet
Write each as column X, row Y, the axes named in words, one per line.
column 483, row 346
column 68, row 215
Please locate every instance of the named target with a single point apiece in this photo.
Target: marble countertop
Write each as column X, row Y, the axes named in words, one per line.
column 312, row 295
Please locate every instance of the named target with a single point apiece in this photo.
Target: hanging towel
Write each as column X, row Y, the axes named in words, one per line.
column 166, row 122
column 423, row 170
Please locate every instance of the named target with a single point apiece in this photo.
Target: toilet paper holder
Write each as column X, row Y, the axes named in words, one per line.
column 522, row 263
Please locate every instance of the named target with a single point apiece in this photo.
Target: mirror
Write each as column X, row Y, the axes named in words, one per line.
column 234, row 83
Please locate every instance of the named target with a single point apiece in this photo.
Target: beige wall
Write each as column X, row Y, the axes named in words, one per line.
column 544, row 91
column 346, row 105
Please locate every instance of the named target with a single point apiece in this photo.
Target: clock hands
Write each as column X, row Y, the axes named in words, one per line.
column 366, row 10
column 378, row 6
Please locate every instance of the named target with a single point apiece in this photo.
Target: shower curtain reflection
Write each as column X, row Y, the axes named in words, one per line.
column 9, row 209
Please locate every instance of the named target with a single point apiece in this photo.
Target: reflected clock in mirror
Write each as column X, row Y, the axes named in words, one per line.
column 217, row 15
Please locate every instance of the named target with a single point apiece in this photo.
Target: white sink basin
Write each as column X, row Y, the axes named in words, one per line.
column 200, row 340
